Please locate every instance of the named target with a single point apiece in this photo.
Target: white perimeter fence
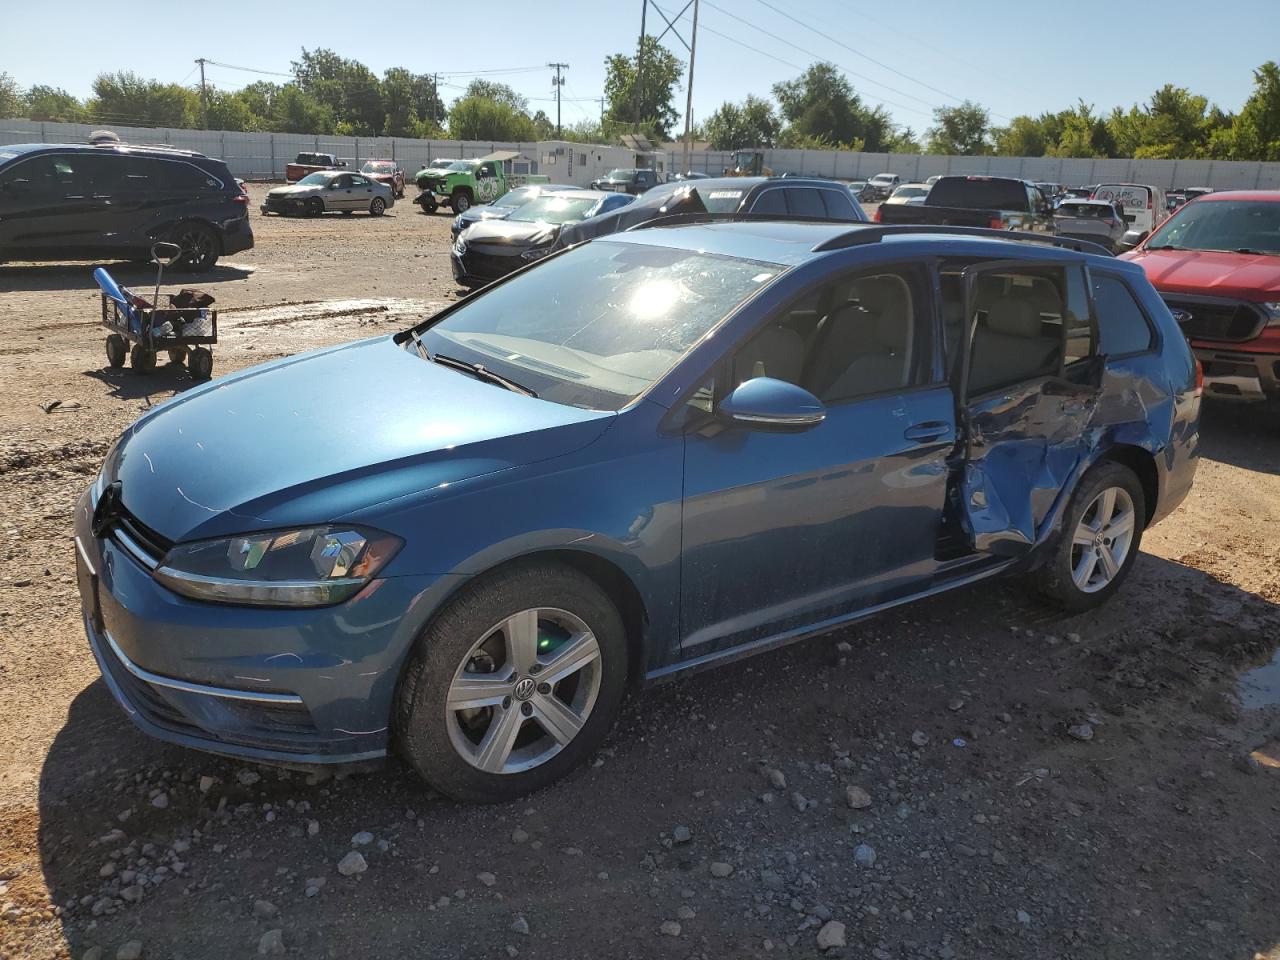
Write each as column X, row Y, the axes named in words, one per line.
column 262, row 156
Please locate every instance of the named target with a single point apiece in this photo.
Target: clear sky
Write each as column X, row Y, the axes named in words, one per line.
column 1012, row 56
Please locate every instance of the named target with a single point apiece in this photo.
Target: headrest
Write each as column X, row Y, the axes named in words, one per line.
column 878, row 294
column 1013, row 318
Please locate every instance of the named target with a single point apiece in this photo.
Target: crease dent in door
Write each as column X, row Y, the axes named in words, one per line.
column 1013, row 489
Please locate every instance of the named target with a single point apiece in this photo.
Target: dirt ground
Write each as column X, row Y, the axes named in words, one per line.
column 989, row 831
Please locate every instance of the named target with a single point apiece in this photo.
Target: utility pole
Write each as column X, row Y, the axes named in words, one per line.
column 559, row 82
column 435, row 98
column 204, row 97
column 686, row 153
column 638, row 89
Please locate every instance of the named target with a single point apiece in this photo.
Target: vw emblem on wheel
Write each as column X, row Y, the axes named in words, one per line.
column 524, row 689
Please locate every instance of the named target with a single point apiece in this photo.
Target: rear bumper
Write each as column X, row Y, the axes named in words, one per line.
column 1239, row 376
column 237, row 235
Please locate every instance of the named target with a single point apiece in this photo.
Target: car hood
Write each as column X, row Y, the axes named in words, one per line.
column 1244, row 276
column 295, row 190
column 511, row 233
column 313, row 438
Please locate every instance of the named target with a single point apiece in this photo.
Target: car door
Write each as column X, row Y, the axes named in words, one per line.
column 1028, row 378
column 784, row 530
column 47, row 206
column 362, row 192
column 130, row 191
column 340, row 195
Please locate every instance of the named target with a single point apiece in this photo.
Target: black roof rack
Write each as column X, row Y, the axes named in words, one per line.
column 876, row 233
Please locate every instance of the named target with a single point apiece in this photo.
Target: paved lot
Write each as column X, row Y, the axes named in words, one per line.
column 989, row 833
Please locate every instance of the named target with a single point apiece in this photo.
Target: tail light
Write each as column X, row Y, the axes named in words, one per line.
column 240, row 198
column 996, row 224
column 1199, row 391
column 1148, row 201
column 875, row 217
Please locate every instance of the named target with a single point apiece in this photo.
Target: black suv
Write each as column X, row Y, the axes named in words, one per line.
column 632, row 181
column 78, row 202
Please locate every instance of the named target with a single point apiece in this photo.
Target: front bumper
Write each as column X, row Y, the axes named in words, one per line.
column 1239, row 376
column 476, row 271
column 284, row 206
column 297, row 686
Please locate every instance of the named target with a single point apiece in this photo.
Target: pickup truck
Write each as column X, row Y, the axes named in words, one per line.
column 305, row 163
column 1216, row 263
column 997, row 203
column 460, row 185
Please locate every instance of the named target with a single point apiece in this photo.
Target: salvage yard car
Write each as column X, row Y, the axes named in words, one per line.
column 491, row 249
column 330, row 190
column 115, row 201
column 1098, row 221
column 505, row 205
column 627, row 180
column 651, row 453
column 388, row 172
column 1216, row 262
column 460, row 185
column 995, row 203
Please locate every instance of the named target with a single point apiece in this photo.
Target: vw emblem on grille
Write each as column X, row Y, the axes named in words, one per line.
column 1181, row 316
column 107, row 510
column 524, row 689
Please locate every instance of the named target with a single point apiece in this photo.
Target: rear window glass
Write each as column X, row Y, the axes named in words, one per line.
column 978, row 194
column 721, row 201
column 1131, row 197
column 839, row 205
column 1086, row 210
column 805, row 203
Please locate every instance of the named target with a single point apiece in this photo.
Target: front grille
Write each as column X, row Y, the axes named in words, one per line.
column 137, row 539
column 487, row 266
column 1218, row 319
column 277, row 203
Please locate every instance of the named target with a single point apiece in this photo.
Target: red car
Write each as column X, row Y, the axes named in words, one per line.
column 1216, row 263
column 388, row 172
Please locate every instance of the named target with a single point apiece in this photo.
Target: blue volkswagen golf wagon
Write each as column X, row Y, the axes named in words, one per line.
column 465, row 542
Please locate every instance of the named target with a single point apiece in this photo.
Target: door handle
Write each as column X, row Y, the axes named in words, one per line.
column 928, row 431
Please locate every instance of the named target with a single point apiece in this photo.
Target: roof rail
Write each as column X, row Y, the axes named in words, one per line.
column 677, row 219
column 876, row 233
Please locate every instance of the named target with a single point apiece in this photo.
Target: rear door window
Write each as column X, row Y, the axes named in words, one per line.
column 805, row 202
column 839, row 205
column 770, row 202
column 186, row 177
column 1123, row 327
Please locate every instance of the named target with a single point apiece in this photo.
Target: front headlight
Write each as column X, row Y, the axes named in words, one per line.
column 1273, row 311
column 536, row 253
column 460, row 246
column 308, row 567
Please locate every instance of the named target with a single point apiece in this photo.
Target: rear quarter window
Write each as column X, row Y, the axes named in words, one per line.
column 1123, row 327
column 839, row 205
column 188, row 177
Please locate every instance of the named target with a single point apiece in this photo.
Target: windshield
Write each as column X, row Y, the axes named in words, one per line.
column 978, row 193
column 857, row 185
column 1244, row 226
column 515, row 198
column 619, row 174
column 378, row 166
column 461, row 165
column 597, row 325
column 904, row 192
column 555, row 209
column 313, row 179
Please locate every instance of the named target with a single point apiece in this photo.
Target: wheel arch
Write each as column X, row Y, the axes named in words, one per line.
column 1143, row 465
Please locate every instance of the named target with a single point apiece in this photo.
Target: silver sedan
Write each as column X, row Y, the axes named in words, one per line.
column 327, row 190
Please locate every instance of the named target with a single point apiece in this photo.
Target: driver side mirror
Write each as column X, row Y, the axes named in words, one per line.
column 1132, row 238
column 764, row 403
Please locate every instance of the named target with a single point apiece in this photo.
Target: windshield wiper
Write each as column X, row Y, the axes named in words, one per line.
column 478, row 370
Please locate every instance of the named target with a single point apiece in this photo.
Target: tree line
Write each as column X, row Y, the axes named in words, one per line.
column 820, row 109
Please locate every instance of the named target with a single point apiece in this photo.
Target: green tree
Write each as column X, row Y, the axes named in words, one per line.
column 347, row 87
column 126, row 98
column 753, row 123
column 901, row 140
column 821, row 106
column 231, row 111
column 11, row 102
column 960, row 131
column 53, row 103
column 1255, row 132
column 293, row 110
column 480, row 118
column 498, row 93
column 411, row 103
column 640, row 101
column 1023, row 137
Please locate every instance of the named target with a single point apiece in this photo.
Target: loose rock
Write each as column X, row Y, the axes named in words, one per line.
column 721, row 869
column 857, row 798
column 681, row 834
column 520, row 925
column 831, row 935
column 864, row 855
column 272, row 942
column 130, row 951
column 1080, row 731
column 264, row 909
column 669, row 928
column 352, row 864
column 362, row 839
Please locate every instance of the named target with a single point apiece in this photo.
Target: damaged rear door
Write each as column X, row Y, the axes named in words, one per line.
column 1028, row 381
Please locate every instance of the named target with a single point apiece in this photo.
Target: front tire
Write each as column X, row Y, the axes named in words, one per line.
column 1100, row 538
column 315, row 207
column 514, row 683
column 142, row 360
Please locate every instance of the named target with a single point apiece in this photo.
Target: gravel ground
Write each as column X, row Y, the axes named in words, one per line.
column 971, row 777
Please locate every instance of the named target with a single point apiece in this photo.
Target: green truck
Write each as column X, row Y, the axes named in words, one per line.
column 460, row 184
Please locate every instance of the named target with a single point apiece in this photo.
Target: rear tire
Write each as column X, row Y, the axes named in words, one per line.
column 200, row 247
column 476, row 640
column 377, row 206
column 1099, row 542
column 177, row 355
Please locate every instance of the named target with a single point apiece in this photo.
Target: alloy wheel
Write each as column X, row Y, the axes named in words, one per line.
column 523, row 691
column 198, row 246
column 1102, row 539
